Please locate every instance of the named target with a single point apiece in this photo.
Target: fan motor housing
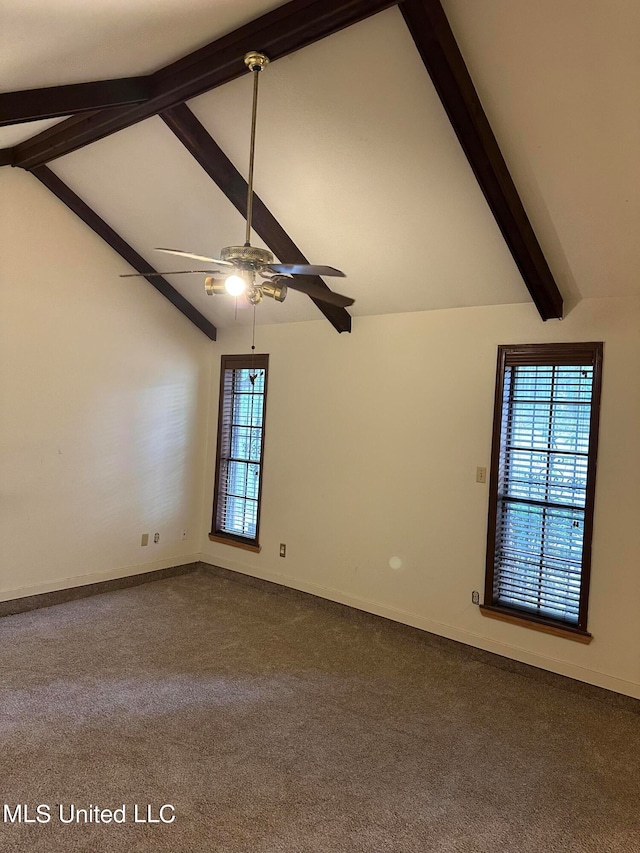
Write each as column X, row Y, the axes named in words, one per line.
column 252, row 256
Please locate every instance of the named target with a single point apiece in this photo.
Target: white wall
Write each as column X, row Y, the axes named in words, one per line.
column 372, row 444
column 103, row 390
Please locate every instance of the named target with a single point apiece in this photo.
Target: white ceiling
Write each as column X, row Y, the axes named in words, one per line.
column 74, row 41
column 355, row 155
column 560, row 83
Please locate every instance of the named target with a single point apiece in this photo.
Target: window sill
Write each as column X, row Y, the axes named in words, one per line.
column 504, row 615
column 246, row 546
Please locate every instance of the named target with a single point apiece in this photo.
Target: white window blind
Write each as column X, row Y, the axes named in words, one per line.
column 240, row 446
column 544, row 482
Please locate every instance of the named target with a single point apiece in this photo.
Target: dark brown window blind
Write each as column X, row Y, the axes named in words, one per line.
column 543, row 481
column 240, row 449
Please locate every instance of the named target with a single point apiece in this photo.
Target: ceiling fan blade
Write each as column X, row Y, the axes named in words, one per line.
column 304, row 269
column 311, row 288
column 182, row 254
column 174, row 272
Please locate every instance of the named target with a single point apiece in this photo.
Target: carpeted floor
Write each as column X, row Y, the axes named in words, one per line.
column 273, row 723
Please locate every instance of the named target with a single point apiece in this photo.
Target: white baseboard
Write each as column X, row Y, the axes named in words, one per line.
column 97, row 577
column 415, row 620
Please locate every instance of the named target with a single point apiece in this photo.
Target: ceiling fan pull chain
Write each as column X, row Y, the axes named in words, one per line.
column 253, row 373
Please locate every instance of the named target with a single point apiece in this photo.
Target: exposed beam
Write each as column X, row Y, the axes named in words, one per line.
column 217, row 165
column 278, row 33
column 437, row 46
column 88, row 216
column 54, row 101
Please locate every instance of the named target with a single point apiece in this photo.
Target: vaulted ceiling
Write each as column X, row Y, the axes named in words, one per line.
column 358, row 162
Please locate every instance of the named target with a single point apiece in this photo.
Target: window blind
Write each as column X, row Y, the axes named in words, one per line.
column 544, row 481
column 240, row 446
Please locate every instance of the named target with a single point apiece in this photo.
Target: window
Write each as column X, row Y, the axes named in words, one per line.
column 541, row 497
column 238, row 484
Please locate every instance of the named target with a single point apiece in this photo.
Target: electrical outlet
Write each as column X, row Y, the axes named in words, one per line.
column 481, row 475
column 475, row 597
column 156, row 538
column 283, row 549
column 184, row 533
column 145, row 539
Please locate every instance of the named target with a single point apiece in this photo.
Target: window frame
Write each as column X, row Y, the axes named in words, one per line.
column 238, row 362
column 558, row 354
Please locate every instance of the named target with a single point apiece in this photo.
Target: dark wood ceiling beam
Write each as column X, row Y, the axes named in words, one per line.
column 55, row 101
column 441, row 55
column 200, row 144
column 278, row 33
column 91, row 218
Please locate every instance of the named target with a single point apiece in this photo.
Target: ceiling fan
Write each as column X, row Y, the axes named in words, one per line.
column 249, row 271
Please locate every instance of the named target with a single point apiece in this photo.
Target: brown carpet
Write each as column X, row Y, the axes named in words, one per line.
column 273, row 723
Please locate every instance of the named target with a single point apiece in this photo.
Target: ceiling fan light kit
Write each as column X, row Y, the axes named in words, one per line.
column 276, row 288
column 214, row 286
column 249, row 271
